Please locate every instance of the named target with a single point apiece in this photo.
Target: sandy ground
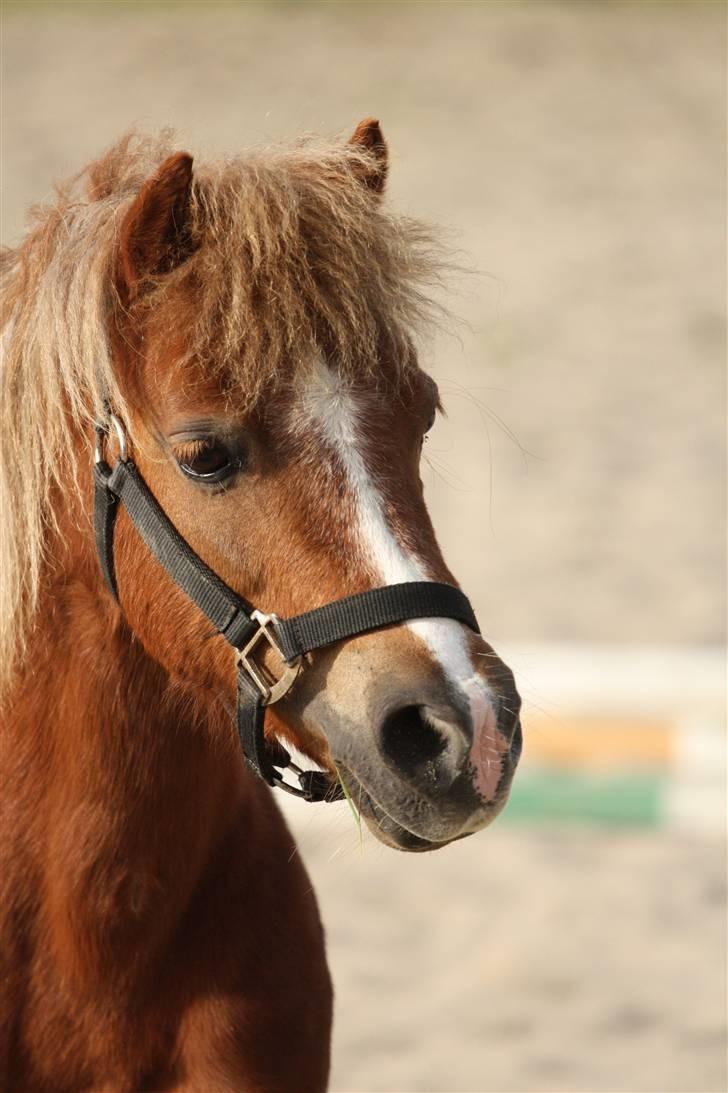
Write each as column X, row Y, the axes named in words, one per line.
column 525, row 961
column 576, row 153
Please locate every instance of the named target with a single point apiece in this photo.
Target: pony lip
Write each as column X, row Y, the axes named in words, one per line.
column 395, row 832
column 380, row 823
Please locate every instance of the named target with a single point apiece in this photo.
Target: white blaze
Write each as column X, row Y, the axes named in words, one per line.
column 330, row 407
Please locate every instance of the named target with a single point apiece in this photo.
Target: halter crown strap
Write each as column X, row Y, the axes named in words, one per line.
column 245, row 628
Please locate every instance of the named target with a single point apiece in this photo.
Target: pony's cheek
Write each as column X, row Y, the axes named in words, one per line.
column 165, row 622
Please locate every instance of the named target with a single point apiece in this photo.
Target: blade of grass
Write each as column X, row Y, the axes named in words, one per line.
column 354, row 811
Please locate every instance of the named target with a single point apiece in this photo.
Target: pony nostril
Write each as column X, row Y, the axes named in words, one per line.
column 421, row 750
column 409, row 740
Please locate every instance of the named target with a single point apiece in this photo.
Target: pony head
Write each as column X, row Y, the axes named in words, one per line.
column 254, row 326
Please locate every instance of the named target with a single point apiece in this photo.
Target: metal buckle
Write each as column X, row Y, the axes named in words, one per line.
column 278, row 780
column 102, row 433
column 271, row 689
column 315, row 785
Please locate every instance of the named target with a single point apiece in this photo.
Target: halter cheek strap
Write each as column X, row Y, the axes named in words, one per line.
column 247, row 629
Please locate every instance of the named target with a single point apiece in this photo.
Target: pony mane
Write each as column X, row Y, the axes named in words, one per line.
column 292, row 258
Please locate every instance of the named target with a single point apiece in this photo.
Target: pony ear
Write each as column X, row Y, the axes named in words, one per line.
column 368, row 137
column 154, row 235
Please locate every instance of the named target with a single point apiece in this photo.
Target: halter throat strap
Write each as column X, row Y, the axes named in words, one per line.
column 245, row 628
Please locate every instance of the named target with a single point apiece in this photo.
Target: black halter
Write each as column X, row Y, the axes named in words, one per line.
column 244, row 627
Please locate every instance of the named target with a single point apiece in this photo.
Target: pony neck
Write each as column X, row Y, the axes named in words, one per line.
column 128, row 786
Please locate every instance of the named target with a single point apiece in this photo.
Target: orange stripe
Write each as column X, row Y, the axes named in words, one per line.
column 597, row 742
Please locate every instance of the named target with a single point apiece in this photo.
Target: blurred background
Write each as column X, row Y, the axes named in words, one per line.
column 575, row 153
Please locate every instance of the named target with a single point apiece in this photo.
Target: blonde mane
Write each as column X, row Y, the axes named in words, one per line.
column 293, row 256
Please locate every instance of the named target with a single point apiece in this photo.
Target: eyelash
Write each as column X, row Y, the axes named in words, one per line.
column 192, row 451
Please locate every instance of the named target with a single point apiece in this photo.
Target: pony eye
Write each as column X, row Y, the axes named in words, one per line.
column 429, row 426
column 206, row 460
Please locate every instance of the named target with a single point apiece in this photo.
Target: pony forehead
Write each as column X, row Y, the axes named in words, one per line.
column 324, row 392
column 294, row 257
column 201, row 402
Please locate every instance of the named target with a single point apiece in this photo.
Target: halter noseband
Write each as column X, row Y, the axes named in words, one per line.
column 246, row 628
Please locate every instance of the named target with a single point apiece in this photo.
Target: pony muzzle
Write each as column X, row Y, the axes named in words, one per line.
column 423, row 763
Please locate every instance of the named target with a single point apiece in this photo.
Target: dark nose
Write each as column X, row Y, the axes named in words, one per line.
column 426, row 746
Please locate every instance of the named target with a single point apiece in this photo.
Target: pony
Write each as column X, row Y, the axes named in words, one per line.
column 250, row 328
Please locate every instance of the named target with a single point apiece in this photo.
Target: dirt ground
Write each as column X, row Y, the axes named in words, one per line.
column 523, row 961
column 575, row 152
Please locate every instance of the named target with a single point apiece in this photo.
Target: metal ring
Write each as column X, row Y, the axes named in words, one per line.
column 102, row 432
